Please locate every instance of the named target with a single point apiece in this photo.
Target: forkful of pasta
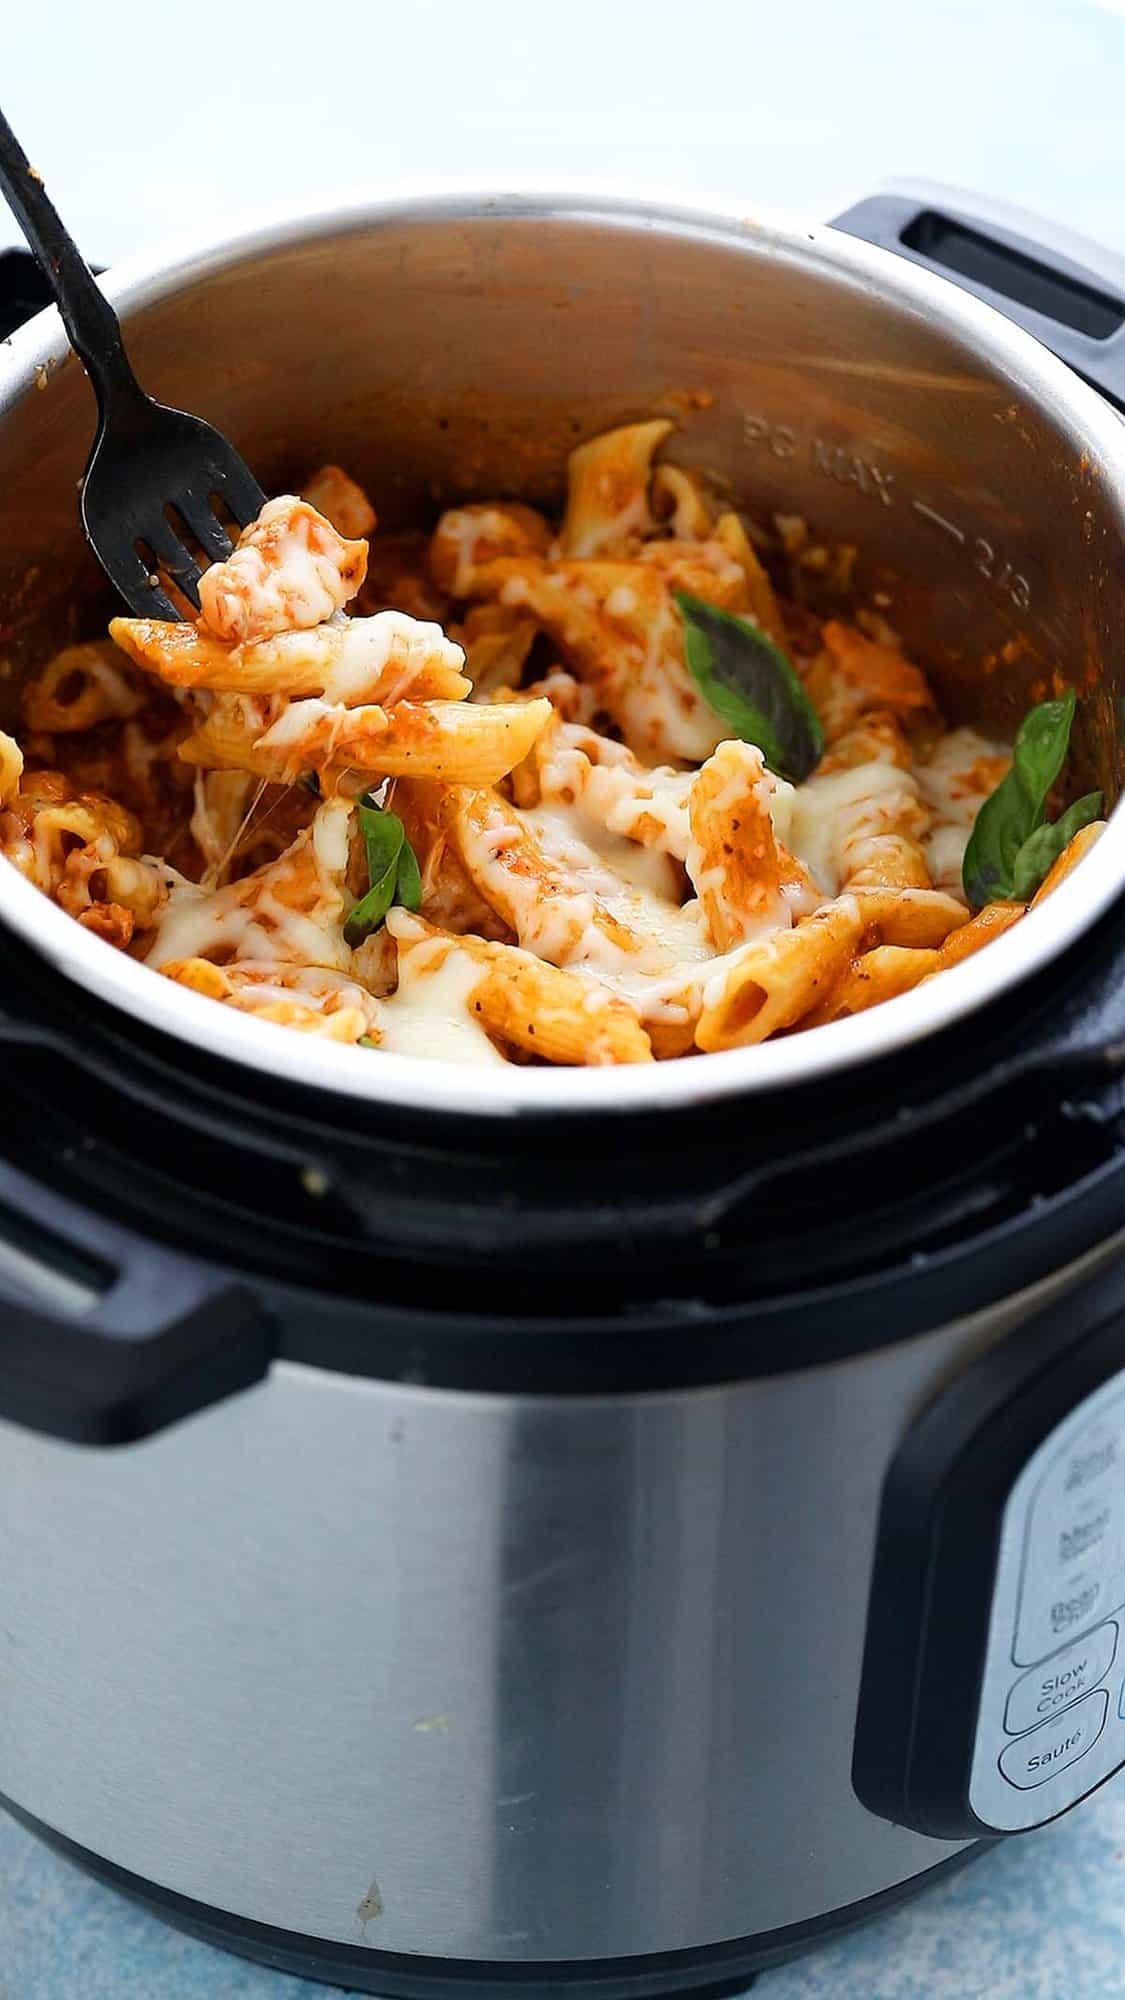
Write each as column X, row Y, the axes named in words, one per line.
column 155, row 476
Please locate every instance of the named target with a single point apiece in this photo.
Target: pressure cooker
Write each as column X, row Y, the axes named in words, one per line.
column 598, row 1530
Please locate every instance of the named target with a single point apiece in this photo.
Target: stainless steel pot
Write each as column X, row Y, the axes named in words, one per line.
column 425, row 1672
column 456, row 346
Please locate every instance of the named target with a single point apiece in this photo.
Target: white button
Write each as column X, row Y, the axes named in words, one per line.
column 1061, row 1680
column 1033, row 1759
column 1074, row 1551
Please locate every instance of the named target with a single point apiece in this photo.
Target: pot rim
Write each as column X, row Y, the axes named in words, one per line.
column 414, row 1081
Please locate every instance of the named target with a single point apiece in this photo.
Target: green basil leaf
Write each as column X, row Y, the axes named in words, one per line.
column 408, row 890
column 369, row 912
column 1044, row 846
column 392, row 870
column 751, row 686
column 383, row 836
column 367, row 1042
column 1015, row 809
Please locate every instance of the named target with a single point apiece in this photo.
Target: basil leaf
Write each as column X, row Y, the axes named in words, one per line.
column 392, row 870
column 383, row 836
column 1044, row 846
column 408, row 890
column 751, row 686
column 367, row 1042
column 369, row 912
column 1015, row 809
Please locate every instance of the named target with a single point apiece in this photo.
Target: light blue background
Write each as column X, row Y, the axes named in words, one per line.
column 156, row 117
column 1038, row 1918
column 152, row 120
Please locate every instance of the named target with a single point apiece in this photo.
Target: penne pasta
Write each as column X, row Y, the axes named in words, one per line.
column 557, row 896
column 497, row 643
column 772, row 984
column 762, row 603
column 469, row 540
column 989, row 923
column 310, row 998
column 332, row 493
column 888, row 970
column 457, row 743
column 553, row 831
column 733, row 858
column 874, row 739
column 677, row 497
column 535, row 1007
column 11, row 768
column 554, row 1015
column 383, row 659
column 617, row 626
column 607, row 490
column 914, row 917
column 856, row 676
column 877, row 975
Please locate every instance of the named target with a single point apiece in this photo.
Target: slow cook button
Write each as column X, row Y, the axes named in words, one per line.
column 1033, row 1759
column 1061, row 1680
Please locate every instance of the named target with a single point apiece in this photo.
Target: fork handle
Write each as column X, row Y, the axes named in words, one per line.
column 92, row 325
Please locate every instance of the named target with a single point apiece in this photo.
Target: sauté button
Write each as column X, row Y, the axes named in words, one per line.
column 1061, row 1680
column 1033, row 1759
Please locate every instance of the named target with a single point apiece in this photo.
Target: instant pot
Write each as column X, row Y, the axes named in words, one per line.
column 602, row 1530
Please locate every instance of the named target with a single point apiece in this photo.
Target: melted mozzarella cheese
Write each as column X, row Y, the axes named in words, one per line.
column 661, row 707
column 963, row 769
column 429, row 1013
column 616, row 793
column 575, row 837
column 257, row 985
column 300, row 720
column 253, row 918
column 819, row 813
column 618, row 876
column 675, row 995
column 390, row 642
column 290, row 571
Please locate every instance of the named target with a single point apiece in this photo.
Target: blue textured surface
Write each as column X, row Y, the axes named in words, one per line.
column 1040, row 1918
column 805, row 107
column 801, row 106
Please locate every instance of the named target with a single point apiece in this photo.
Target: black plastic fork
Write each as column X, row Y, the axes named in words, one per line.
column 155, row 475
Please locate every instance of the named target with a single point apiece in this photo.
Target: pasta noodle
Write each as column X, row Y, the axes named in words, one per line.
column 457, row 743
column 888, row 970
column 771, row 984
column 469, row 796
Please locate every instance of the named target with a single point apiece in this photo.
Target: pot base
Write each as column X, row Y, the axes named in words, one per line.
column 713, row 1972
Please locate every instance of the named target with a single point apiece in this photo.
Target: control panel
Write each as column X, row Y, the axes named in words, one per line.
column 993, row 1688
column 1051, row 1719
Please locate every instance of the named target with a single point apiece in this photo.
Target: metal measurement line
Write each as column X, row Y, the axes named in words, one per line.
column 939, row 520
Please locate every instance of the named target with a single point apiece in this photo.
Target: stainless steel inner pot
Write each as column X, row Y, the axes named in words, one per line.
column 459, row 346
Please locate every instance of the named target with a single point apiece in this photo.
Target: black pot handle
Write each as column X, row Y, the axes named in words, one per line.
column 1069, row 293
column 106, row 1338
